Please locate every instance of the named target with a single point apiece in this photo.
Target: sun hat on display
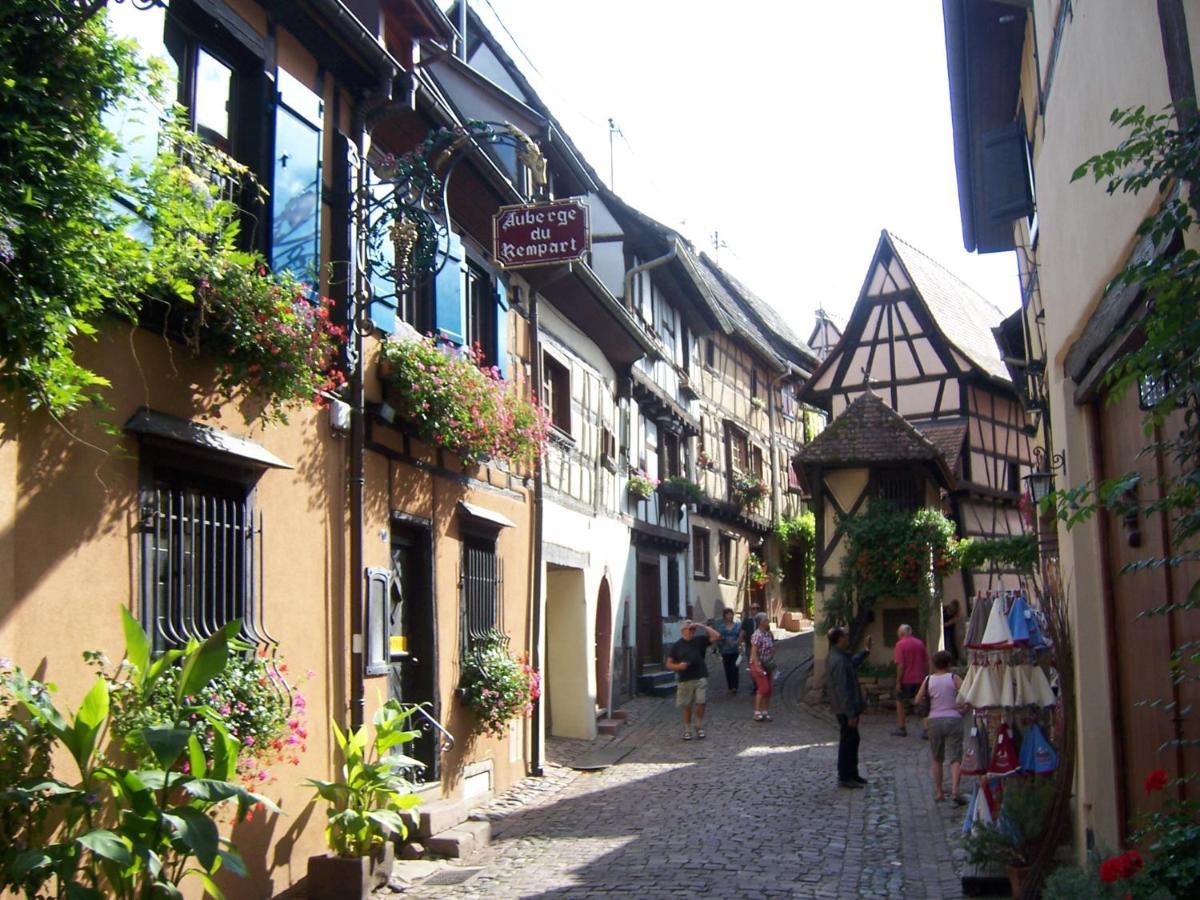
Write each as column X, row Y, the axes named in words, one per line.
column 996, row 636
column 1008, row 694
column 975, row 749
column 1004, row 755
column 1018, row 621
column 978, row 622
column 1033, row 687
column 984, row 690
column 1037, row 755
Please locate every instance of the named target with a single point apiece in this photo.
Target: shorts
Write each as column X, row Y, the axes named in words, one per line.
column 694, row 690
column 762, row 681
column 908, row 693
column 946, row 738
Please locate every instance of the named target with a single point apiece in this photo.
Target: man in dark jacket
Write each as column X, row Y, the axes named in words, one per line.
column 846, row 701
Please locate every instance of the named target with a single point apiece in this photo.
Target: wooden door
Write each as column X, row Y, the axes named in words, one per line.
column 603, row 649
column 1143, row 643
column 414, row 664
column 649, row 615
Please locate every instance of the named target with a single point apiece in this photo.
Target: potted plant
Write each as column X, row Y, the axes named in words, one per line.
column 748, row 489
column 640, row 485
column 365, row 806
column 1014, row 839
column 756, row 573
column 680, row 490
column 496, row 686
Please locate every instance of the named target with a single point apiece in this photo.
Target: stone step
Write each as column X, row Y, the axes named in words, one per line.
column 657, row 682
column 462, row 840
column 609, row 726
column 436, row 816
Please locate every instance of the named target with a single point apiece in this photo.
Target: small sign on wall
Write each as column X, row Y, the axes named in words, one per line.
column 540, row 234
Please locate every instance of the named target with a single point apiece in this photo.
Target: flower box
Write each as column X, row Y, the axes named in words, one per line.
column 680, row 490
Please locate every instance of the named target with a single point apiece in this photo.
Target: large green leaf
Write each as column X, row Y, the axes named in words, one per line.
column 137, row 645
column 196, row 759
column 88, row 722
column 164, row 662
column 81, row 892
column 232, row 861
column 197, row 832
column 210, row 886
column 202, row 665
column 26, row 862
column 166, row 743
column 331, row 791
column 108, row 845
column 389, row 821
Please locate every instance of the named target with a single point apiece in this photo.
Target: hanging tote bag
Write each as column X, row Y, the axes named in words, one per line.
column 975, row 748
column 1004, row 755
column 1037, row 755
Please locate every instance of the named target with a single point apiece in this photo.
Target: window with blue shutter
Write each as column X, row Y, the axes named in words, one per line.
column 449, row 301
column 381, row 308
column 501, row 361
column 296, row 187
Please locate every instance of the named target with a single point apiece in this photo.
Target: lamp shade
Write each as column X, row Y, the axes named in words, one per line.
column 1040, row 485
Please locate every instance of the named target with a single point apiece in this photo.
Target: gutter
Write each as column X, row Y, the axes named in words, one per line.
column 354, row 32
column 646, row 267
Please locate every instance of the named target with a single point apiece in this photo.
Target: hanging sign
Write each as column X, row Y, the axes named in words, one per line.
column 540, row 234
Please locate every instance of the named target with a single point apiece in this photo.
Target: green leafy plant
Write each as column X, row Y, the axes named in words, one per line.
column 640, row 485
column 496, row 686
column 117, row 831
column 65, row 261
column 366, row 804
column 757, row 575
column 264, row 714
column 890, row 552
column 1014, row 838
column 799, row 533
column 1018, row 552
column 451, row 401
column 680, row 489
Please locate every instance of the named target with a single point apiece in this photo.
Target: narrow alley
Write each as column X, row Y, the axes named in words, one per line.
column 753, row 811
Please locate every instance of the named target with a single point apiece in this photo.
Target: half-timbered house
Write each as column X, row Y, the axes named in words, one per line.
column 751, row 425
column 827, row 331
column 923, row 341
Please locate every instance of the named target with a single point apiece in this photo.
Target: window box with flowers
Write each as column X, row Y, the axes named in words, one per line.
column 680, row 490
column 497, row 686
column 442, row 392
column 748, row 489
column 640, row 485
column 758, row 403
column 757, row 575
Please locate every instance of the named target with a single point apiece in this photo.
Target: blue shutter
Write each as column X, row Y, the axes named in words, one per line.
column 502, row 328
column 448, row 312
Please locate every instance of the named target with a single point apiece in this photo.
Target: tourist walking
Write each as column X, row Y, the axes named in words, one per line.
column 846, row 701
column 730, row 647
column 748, row 627
column 945, row 724
column 686, row 659
column 912, row 665
column 762, row 666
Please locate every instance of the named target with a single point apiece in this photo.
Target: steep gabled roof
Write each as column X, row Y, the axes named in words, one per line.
column 948, row 439
column 869, row 432
column 764, row 318
column 963, row 315
column 739, row 322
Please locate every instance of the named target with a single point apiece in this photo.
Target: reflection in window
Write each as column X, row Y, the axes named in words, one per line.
column 212, row 101
column 296, row 189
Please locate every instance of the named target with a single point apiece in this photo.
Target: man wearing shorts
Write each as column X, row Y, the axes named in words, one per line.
column 687, row 658
column 911, row 667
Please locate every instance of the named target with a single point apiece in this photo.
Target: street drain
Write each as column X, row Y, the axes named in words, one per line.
column 452, row 876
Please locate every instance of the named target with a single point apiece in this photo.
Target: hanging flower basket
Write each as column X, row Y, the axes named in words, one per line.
column 757, row 575
column 496, row 686
column 681, row 490
column 748, row 489
column 640, row 485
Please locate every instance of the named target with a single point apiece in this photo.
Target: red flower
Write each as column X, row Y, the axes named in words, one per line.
column 1118, row 868
column 1156, row 781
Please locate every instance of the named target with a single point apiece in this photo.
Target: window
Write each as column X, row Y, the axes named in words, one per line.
column 608, row 448
column 673, row 586
column 739, row 449
column 668, row 465
column 795, row 479
column 481, row 586
column 200, row 555
column 556, row 390
column 725, row 557
column 710, row 354
column 296, row 188
column 701, row 564
column 756, row 461
column 787, row 402
column 901, row 487
column 481, row 317
column 1013, row 473
column 753, row 383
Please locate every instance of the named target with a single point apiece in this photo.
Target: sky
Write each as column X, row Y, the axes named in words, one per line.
column 793, row 129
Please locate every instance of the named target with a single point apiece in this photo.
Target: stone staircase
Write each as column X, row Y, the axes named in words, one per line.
column 445, row 828
column 657, row 681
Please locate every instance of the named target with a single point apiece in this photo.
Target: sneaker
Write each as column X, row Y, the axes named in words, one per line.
column 899, row 732
column 700, row 733
column 850, row 785
column 687, row 735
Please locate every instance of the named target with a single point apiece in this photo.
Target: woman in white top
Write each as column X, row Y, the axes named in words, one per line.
column 945, row 724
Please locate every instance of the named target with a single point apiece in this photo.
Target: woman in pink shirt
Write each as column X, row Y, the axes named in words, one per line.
column 945, row 724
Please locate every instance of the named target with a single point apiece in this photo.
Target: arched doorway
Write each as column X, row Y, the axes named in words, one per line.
column 603, row 646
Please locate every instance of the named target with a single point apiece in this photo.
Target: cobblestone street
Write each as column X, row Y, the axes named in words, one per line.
column 752, row 811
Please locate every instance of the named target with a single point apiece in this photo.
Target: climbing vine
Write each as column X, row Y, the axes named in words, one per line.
column 799, row 533
column 890, row 553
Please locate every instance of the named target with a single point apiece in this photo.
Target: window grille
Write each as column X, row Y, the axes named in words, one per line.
column 201, row 562
column 481, row 583
column 899, row 486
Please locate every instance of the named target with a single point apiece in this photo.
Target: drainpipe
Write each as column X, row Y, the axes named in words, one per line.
column 535, row 638
column 647, row 266
column 357, row 322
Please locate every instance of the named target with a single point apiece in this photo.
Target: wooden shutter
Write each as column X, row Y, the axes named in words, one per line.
column 1007, row 191
column 449, row 303
column 502, row 328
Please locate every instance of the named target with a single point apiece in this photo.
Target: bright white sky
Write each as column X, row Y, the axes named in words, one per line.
column 796, row 129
